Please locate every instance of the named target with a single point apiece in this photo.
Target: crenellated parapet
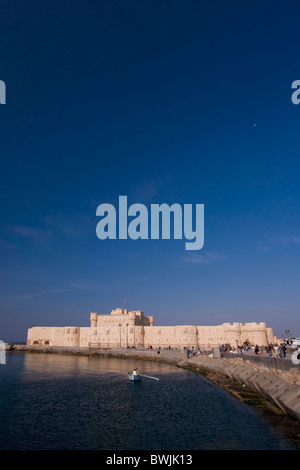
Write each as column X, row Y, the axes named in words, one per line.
column 121, row 316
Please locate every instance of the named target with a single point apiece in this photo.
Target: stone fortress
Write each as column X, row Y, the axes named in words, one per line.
column 127, row 328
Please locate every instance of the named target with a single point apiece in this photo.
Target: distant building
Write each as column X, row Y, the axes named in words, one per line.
column 127, row 328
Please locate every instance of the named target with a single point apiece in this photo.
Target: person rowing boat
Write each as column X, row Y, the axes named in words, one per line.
column 135, row 375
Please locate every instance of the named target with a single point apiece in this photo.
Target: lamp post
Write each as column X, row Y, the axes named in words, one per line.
column 287, row 332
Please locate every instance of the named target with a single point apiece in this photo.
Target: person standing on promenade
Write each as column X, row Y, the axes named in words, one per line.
column 283, row 351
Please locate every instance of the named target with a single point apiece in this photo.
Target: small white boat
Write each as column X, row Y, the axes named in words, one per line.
column 134, row 376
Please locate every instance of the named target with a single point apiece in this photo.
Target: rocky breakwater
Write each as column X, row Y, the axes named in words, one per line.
column 170, row 356
column 281, row 388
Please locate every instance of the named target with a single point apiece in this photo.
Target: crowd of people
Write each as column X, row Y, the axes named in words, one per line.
column 273, row 350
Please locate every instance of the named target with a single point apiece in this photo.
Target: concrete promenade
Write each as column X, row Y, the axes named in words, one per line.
column 276, row 380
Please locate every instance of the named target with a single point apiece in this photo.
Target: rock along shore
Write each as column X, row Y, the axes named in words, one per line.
column 245, row 379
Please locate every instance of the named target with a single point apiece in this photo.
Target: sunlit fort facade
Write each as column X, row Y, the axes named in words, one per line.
column 124, row 328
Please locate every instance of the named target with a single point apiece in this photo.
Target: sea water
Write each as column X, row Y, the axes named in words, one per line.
column 52, row 401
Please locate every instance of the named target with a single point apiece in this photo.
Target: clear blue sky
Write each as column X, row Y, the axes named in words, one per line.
column 163, row 101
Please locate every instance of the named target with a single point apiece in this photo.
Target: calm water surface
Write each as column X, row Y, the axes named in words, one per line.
column 70, row 402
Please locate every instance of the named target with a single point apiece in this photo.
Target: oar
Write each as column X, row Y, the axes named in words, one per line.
column 155, row 378
column 119, row 375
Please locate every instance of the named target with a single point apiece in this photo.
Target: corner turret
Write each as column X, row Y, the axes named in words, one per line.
column 94, row 319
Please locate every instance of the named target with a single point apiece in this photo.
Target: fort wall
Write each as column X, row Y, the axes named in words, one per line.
column 127, row 329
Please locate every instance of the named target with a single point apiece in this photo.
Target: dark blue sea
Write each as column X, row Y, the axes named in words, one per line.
column 87, row 403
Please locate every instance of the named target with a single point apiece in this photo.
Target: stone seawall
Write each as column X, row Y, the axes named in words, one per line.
column 281, row 387
column 267, row 361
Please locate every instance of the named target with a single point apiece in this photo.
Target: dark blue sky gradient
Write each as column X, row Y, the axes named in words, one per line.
column 162, row 101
